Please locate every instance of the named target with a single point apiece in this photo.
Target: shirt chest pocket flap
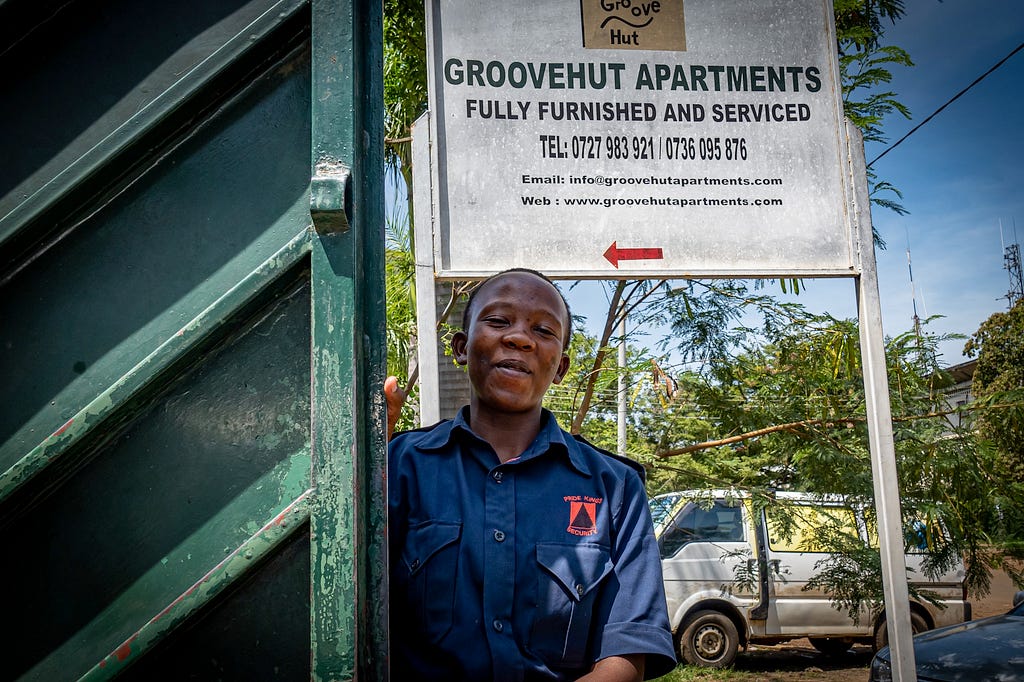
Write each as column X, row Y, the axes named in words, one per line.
column 431, row 555
column 568, row 581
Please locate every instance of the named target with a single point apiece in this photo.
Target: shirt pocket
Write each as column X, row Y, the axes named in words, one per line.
column 567, row 590
column 431, row 556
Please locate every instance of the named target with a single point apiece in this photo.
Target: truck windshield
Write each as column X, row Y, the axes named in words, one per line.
column 693, row 523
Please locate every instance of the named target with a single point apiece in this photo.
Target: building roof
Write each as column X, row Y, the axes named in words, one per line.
column 963, row 372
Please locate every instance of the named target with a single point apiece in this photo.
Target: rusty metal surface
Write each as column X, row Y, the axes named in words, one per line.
column 238, row 563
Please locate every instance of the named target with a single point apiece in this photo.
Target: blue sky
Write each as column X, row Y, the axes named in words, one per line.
column 960, row 174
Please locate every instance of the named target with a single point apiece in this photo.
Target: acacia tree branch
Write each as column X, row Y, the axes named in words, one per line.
column 629, row 308
column 828, row 423
column 458, row 289
column 749, row 435
column 760, row 302
column 619, row 308
column 717, row 482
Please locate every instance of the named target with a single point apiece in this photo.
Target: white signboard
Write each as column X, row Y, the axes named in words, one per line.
column 613, row 138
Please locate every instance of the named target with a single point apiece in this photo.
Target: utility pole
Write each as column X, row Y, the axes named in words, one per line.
column 623, row 387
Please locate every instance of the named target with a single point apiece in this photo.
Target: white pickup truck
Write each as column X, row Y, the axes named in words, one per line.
column 734, row 577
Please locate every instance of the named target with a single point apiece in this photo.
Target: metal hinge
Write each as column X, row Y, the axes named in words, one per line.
column 328, row 197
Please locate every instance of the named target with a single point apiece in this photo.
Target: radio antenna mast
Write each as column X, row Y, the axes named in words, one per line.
column 913, row 291
column 1011, row 263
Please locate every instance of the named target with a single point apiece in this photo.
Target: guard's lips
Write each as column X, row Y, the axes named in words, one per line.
column 517, row 365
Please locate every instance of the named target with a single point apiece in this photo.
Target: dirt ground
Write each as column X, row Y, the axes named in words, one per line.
column 799, row 661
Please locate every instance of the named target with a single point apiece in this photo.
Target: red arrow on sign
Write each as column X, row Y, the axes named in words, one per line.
column 614, row 254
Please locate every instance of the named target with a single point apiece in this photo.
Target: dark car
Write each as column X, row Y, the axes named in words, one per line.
column 984, row 649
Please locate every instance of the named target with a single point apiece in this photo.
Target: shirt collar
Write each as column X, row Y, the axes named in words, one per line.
column 551, row 438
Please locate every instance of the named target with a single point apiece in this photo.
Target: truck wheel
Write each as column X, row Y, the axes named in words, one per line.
column 830, row 646
column 917, row 624
column 709, row 640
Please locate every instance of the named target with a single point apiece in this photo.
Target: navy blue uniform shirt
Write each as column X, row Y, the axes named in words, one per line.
column 530, row 570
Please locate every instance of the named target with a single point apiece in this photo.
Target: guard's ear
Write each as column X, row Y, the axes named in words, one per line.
column 459, row 341
column 563, row 368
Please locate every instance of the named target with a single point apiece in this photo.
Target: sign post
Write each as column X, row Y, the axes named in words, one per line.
column 879, row 414
column 612, row 139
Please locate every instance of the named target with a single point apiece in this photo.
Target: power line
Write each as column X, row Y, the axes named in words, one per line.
column 953, row 99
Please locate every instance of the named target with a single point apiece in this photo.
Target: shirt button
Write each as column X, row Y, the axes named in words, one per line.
column 498, row 625
column 579, row 589
column 498, row 475
column 499, row 536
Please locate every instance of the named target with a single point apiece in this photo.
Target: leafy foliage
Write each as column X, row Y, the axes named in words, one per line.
column 864, row 71
column 405, row 81
column 400, row 297
column 999, row 386
column 782, row 407
column 864, row 66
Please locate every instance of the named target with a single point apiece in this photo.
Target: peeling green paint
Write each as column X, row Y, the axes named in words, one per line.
column 348, row 619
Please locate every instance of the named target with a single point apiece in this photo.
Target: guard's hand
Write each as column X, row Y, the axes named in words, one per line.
column 395, row 398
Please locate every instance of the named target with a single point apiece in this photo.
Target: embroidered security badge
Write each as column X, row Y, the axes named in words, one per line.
column 582, row 514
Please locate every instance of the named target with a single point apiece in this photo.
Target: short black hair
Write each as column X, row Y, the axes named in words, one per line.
column 535, row 273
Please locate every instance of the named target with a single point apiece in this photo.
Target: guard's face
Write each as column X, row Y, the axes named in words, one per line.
column 514, row 343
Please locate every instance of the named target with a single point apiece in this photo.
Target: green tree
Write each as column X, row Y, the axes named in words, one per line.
column 405, row 83
column 999, row 346
column 787, row 410
column 999, row 386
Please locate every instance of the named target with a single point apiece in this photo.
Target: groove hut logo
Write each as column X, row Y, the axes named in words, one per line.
column 633, row 24
column 582, row 514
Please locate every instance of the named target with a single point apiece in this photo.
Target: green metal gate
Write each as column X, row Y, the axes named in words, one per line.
column 191, row 340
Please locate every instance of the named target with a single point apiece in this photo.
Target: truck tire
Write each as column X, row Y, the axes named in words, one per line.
column 709, row 640
column 917, row 624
